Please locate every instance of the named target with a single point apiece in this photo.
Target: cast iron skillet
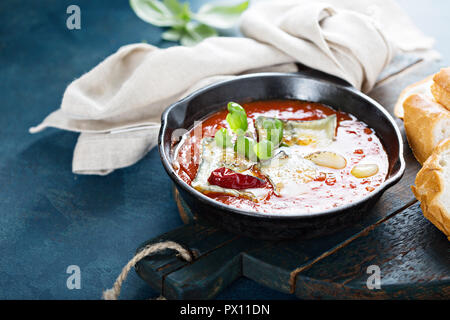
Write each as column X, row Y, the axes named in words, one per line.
column 308, row 86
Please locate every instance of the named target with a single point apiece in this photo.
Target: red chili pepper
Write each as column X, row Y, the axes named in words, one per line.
column 226, row 178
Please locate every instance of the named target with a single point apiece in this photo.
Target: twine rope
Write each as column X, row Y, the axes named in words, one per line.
column 114, row 292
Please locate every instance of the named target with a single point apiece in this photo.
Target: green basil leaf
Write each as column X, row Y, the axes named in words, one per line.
column 220, row 16
column 245, row 147
column 264, row 149
column 223, row 139
column 186, row 13
column 174, row 6
column 195, row 33
column 172, row 34
column 234, row 121
column 155, row 12
column 235, row 107
column 237, row 117
column 180, row 10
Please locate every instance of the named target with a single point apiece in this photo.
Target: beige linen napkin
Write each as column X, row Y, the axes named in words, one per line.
column 117, row 105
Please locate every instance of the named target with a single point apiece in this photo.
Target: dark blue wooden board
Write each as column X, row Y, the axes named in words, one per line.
column 413, row 257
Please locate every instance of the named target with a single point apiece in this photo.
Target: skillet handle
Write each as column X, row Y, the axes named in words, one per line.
column 316, row 74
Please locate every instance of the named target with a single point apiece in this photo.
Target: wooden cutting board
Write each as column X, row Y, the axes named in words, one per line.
column 411, row 255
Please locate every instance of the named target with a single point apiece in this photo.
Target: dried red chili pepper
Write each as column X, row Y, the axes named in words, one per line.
column 226, row 178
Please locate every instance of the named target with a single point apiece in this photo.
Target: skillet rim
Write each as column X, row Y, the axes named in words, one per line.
column 389, row 182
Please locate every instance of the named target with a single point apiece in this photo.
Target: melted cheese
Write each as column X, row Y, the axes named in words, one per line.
column 289, row 172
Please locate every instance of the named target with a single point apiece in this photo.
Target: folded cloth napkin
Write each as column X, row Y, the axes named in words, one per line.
column 117, row 105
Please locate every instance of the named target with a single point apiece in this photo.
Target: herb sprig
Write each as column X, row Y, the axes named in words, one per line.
column 185, row 26
column 245, row 146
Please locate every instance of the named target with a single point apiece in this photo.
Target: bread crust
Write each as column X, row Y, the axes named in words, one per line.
column 429, row 188
column 441, row 87
column 442, row 79
column 421, row 115
column 421, row 87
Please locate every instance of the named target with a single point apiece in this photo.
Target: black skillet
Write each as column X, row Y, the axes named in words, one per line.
column 311, row 86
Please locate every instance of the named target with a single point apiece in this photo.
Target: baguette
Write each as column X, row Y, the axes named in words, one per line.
column 422, row 87
column 441, row 87
column 426, row 123
column 432, row 187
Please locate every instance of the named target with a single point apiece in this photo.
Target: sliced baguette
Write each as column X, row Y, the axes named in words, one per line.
column 441, row 87
column 432, row 187
column 421, row 87
column 426, row 123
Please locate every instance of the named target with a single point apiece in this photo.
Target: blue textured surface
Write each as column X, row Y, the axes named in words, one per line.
column 50, row 218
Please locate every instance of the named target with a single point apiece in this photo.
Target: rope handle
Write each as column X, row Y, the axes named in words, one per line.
column 114, row 292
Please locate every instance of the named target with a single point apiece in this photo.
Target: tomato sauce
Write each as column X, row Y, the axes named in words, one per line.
column 332, row 188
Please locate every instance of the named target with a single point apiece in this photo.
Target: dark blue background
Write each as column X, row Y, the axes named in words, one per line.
column 51, row 218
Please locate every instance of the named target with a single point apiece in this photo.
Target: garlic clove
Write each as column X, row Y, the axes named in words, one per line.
column 364, row 170
column 327, row 159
